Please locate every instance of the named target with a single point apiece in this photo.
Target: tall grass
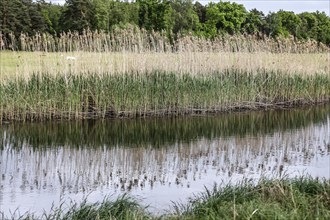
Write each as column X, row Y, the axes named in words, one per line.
column 45, row 97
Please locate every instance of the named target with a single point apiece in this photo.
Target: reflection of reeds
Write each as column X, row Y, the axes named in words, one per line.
column 164, row 131
column 45, row 97
column 85, row 169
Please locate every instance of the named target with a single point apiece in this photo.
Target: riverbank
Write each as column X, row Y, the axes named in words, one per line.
column 44, row 97
column 300, row 198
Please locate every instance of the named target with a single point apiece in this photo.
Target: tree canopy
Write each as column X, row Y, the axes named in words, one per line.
column 173, row 16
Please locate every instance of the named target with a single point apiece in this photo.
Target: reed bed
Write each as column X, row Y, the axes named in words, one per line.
column 45, row 97
column 131, row 72
column 133, row 39
column 25, row 64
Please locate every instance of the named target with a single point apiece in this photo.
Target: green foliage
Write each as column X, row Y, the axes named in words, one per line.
column 174, row 16
column 122, row 13
column 290, row 23
column 254, row 22
column 181, row 17
column 224, row 17
column 78, row 15
column 323, row 27
column 309, row 26
column 14, row 16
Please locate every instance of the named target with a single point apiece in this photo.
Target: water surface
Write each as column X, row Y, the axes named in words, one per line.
column 157, row 160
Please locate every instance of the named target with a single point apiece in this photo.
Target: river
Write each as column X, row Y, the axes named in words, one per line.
column 156, row 160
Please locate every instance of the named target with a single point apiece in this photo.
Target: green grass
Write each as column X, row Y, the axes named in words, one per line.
column 300, row 198
column 43, row 97
column 124, row 207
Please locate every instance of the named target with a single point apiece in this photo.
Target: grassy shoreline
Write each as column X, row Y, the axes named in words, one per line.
column 45, row 97
column 299, row 198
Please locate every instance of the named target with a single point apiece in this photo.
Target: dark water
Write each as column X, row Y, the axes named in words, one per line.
column 157, row 160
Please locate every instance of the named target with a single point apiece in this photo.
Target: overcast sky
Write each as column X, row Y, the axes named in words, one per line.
column 296, row 6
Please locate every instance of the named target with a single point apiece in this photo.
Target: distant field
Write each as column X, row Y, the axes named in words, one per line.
column 24, row 64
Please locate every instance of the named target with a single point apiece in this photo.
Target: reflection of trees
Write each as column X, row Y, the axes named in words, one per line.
column 160, row 131
column 82, row 168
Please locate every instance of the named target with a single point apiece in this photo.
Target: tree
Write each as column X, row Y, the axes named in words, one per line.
column 151, row 14
column 308, row 27
column 122, row 13
column 273, row 25
column 181, row 17
column 200, row 10
column 78, row 15
column 290, row 23
column 14, row 17
column 38, row 23
column 101, row 14
column 323, row 27
column 225, row 17
column 255, row 22
column 52, row 14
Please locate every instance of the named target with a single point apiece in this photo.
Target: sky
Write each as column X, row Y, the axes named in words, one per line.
column 266, row 6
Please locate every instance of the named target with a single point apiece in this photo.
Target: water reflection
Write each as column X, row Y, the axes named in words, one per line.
column 159, row 159
column 158, row 132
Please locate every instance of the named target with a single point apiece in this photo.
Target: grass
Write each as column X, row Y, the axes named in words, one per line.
column 124, row 207
column 46, row 97
column 300, row 198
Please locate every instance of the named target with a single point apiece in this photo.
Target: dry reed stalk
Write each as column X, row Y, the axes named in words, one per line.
column 133, row 39
column 24, row 64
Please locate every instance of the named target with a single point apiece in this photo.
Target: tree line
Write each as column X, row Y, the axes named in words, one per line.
column 175, row 17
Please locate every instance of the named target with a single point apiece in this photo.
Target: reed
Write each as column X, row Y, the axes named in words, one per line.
column 24, row 64
column 134, row 39
column 45, row 97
